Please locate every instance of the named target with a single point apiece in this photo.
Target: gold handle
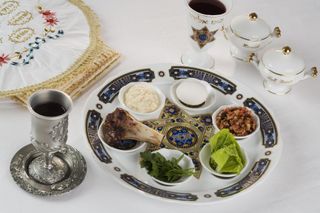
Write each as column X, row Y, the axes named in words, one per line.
column 251, row 56
column 253, row 16
column 223, row 29
column 286, row 50
column 314, row 72
column 277, row 32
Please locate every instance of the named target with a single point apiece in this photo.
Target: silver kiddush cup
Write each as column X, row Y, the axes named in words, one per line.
column 49, row 132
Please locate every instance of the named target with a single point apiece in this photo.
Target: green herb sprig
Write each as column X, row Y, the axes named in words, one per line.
column 163, row 169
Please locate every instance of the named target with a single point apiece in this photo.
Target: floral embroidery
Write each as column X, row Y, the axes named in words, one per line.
column 49, row 17
column 24, row 56
column 47, row 13
column 52, row 21
column 4, row 59
column 32, row 47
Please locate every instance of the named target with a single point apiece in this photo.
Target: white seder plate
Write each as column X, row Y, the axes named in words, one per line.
column 263, row 149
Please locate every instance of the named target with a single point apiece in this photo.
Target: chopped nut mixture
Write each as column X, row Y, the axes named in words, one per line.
column 239, row 120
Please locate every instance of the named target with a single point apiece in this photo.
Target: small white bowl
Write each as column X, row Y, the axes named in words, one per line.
column 185, row 163
column 209, row 102
column 139, row 115
column 214, row 115
column 204, row 156
column 139, row 146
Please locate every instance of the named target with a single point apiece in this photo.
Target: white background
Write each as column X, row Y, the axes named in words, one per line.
column 149, row 31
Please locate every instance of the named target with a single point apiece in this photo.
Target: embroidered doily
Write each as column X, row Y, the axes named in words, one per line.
column 49, row 44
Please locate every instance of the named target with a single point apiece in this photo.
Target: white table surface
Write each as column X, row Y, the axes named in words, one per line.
column 149, row 31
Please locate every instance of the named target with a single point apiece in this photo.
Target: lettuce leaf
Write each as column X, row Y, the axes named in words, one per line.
column 226, row 154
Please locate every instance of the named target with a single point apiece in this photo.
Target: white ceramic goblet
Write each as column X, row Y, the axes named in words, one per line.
column 202, row 30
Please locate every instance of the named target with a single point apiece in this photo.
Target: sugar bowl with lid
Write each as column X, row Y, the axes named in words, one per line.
column 248, row 34
column 281, row 68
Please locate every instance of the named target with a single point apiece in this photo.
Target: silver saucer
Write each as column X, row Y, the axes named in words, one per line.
column 21, row 161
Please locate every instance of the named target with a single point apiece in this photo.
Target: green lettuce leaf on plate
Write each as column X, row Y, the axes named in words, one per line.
column 226, row 154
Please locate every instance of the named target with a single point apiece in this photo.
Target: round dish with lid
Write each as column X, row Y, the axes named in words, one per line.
column 247, row 34
column 281, row 68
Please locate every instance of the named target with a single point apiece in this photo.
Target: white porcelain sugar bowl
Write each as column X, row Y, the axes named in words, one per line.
column 281, row 68
column 248, row 34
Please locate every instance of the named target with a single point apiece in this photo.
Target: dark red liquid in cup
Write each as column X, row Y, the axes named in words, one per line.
column 49, row 109
column 208, row 7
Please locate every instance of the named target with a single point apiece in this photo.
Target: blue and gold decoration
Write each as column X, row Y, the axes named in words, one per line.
column 182, row 136
column 93, row 122
column 183, row 132
column 267, row 124
column 203, row 36
column 158, row 192
column 216, row 81
column 254, row 175
column 111, row 90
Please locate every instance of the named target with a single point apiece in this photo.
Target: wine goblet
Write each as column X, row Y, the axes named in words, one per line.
column 202, row 31
column 49, row 132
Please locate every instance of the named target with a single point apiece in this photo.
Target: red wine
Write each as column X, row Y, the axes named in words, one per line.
column 50, row 109
column 208, row 7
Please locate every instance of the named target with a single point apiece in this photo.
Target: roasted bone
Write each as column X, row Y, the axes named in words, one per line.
column 121, row 125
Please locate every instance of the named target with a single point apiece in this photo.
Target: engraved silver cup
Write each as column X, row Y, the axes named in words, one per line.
column 49, row 135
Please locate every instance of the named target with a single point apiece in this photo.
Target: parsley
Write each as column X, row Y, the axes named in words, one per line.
column 163, row 169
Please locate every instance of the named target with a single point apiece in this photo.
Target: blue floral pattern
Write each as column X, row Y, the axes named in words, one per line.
column 182, row 137
column 93, row 122
column 32, row 47
column 267, row 124
column 256, row 172
column 111, row 90
column 218, row 82
column 158, row 192
column 50, row 32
